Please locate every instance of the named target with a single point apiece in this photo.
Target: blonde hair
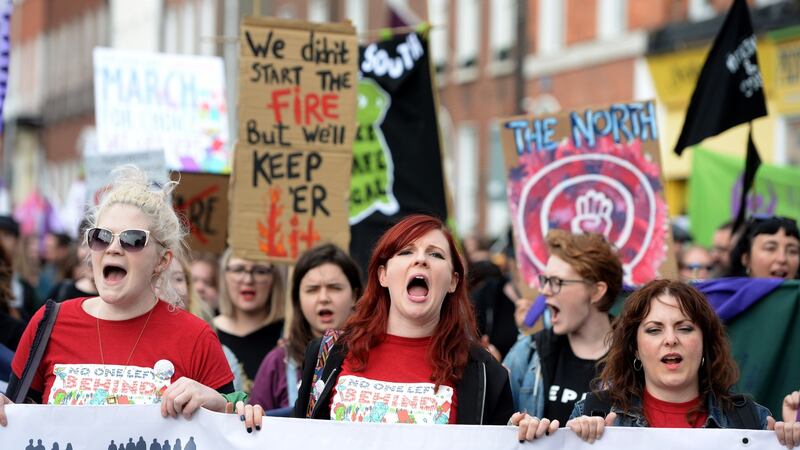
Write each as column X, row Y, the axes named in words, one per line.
column 131, row 186
column 275, row 302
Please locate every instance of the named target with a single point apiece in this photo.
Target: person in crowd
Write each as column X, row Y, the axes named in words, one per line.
column 721, row 248
column 767, row 248
column 669, row 366
column 552, row 369
column 23, row 302
column 58, row 261
column 205, row 278
column 325, row 285
column 134, row 235
column 412, row 330
column 11, row 327
column 189, row 300
column 251, row 305
column 81, row 280
column 694, row 263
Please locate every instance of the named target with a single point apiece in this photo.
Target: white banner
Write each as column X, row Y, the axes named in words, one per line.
column 94, row 428
column 154, row 100
column 99, row 166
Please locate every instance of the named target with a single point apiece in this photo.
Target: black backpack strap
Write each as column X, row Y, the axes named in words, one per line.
column 597, row 404
column 37, row 350
column 744, row 414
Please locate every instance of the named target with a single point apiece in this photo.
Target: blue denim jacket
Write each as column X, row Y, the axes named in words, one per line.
column 527, row 386
column 717, row 418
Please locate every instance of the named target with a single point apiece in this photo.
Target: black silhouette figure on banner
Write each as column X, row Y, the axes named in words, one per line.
column 166, row 445
column 155, row 445
column 121, row 446
column 190, row 445
column 112, row 445
column 130, row 445
column 30, row 445
column 69, row 446
column 39, row 445
column 141, row 444
column 177, row 445
column 55, row 446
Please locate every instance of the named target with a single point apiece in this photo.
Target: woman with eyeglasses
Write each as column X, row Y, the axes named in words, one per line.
column 552, row 369
column 128, row 345
column 768, row 247
column 251, row 306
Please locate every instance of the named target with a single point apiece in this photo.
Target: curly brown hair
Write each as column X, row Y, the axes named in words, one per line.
column 592, row 257
column 717, row 375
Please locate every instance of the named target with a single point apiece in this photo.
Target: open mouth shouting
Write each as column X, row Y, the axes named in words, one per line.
column 325, row 315
column 113, row 274
column 779, row 273
column 554, row 310
column 417, row 288
column 672, row 360
column 247, row 294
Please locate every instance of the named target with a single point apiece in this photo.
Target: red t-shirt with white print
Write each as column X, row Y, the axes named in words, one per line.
column 173, row 344
column 395, row 387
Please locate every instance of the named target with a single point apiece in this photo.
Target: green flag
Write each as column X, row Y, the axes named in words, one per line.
column 715, row 187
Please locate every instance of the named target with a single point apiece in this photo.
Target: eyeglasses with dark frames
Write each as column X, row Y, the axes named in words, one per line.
column 557, row 283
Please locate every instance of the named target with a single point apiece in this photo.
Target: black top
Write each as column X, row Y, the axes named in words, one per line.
column 570, row 384
column 67, row 290
column 484, row 393
column 250, row 350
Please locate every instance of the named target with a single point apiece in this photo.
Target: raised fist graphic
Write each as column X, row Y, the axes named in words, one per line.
column 592, row 213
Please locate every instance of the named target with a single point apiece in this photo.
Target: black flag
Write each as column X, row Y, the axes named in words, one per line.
column 750, row 168
column 397, row 162
column 729, row 90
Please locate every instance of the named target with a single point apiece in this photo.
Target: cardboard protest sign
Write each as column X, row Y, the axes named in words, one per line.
column 153, row 100
column 202, row 199
column 591, row 170
column 99, row 166
column 397, row 162
column 297, row 119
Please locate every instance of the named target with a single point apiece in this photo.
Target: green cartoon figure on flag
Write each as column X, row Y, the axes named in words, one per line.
column 373, row 169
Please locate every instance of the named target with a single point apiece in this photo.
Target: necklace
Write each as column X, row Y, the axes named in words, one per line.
column 112, row 398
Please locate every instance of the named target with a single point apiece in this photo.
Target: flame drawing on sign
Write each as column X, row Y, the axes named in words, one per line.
column 270, row 235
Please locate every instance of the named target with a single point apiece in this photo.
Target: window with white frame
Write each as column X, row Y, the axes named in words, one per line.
column 318, row 11
column 503, row 16
column 792, row 141
column 438, row 14
column 208, row 27
column 701, row 10
column 497, row 205
column 188, row 35
column 551, row 26
column 358, row 13
column 170, row 44
column 466, row 177
column 612, row 18
column 468, row 32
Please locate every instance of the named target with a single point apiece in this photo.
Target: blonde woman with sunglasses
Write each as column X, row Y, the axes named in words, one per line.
column 128, row 345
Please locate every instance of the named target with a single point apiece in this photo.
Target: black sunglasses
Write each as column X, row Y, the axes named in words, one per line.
column 99, row 239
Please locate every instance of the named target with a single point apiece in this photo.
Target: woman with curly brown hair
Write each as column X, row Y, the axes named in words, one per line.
column 670, row 366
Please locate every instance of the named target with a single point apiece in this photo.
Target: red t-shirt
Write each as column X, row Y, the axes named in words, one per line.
column 174, row 344
column 395, row 387
column 661, row 414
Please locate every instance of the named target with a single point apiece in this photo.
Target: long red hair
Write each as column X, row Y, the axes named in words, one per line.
column 456, row 330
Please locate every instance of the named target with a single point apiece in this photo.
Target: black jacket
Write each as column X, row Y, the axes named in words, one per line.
column 484, row 395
